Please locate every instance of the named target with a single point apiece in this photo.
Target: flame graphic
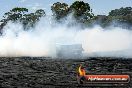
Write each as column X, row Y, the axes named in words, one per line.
column 82, row 71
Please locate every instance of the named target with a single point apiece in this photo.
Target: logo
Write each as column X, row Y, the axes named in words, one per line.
column 101, row 78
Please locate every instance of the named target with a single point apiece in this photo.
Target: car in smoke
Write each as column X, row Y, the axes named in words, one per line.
column 69, row 51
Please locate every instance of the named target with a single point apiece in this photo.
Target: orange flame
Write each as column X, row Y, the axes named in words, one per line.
column 82, row 71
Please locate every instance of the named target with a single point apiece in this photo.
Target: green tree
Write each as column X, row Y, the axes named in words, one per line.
column 121, row 12
column 20, row 15
column 122, row 17
column 60, row 10
column 15, row 14
column 40, row 13
column 31, row 19
column 81, row 10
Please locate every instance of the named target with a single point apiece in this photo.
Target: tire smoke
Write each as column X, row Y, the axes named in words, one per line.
column 43, row 39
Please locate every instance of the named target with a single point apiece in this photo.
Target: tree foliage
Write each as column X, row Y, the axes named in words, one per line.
column 21, row 15
column 122, row 16
column 31, row 19
column 81, row 10
column 119, row 17
column 60, row 10
column 121, row 12
column 15, row 14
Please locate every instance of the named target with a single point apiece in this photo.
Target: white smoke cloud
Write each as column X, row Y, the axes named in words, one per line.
column 103, row 42
column 43, row 39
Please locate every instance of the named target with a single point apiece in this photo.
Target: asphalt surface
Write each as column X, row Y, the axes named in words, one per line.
column 45, row 72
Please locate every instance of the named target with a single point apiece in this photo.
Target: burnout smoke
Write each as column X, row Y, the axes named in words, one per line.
column 43, row 39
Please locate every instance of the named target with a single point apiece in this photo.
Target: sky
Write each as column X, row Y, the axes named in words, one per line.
column 100, row 7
